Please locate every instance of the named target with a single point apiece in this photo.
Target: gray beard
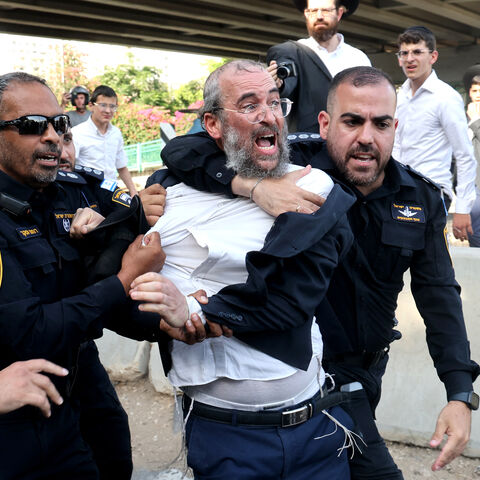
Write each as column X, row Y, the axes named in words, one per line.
column 239, row 157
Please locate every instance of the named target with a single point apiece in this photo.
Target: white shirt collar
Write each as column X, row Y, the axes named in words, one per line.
column 95, row 128
column 429, row 84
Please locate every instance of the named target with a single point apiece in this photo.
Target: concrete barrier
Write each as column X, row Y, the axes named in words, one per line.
column 124, row 359
column 412, row 392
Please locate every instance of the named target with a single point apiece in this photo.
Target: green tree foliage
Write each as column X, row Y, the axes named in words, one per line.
column 187, row 94
column 139, row 85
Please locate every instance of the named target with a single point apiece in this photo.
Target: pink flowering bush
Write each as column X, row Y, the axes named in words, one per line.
column 141, row 123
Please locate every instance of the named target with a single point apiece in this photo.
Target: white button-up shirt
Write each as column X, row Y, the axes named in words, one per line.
column 100, row 151
column 205, row 237
column 431, row 127
column 344, row 56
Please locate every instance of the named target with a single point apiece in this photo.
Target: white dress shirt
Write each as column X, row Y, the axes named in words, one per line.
column 344, row 56
column 432, row 127
column 100, row 151
column 205, row 237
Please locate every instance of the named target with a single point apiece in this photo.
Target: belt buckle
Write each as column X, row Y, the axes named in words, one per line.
column 297, row 416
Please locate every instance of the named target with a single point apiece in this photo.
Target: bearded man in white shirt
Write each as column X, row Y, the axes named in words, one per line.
column 241, row 392
column 432, row 126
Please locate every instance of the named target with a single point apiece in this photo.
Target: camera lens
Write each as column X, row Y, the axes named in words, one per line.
column 283, row 72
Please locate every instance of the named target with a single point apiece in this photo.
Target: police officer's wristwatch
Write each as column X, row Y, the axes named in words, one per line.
column 470, row 398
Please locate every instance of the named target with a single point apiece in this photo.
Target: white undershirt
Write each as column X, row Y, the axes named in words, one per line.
column 205, row 237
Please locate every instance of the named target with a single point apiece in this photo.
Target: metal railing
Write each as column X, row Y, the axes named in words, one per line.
column 142, row 156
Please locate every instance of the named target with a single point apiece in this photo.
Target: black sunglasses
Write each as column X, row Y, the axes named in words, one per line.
column 38, row 124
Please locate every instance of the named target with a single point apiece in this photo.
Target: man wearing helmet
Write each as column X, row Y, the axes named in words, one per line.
column 79, row 96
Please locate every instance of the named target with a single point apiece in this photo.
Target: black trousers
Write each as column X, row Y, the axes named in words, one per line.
column 33, row 447
column 375, row 461
column 103, row 421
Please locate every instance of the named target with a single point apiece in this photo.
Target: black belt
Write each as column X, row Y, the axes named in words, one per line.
column 364, row 360
column 294, row 415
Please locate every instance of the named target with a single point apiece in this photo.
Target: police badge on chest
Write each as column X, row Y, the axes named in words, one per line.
column 63, row 221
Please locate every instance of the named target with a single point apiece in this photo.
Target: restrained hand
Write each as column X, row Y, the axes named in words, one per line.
column 22, row 383
column 280, row 195
column 153, row 201
column 462, row 226
column 214, row 329
column 84, row 221
column 160, row 295
column 454, row 421
column 145, row 254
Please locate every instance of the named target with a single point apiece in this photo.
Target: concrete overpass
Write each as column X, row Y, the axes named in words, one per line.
column 246, row 28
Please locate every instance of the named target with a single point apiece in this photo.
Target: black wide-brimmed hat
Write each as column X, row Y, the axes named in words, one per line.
column 471, row 72
column 350, row 5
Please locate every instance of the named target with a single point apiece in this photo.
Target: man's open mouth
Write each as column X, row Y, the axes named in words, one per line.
column 47, row 159
column 266, row 143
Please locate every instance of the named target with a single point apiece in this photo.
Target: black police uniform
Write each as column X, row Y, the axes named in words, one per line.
column 45, row 312
column 400, row 225
column 103, row 420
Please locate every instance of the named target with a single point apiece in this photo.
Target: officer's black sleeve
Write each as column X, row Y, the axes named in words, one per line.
column 289, row 276
column 31, row 329
column 437, row 296
column 196, row 160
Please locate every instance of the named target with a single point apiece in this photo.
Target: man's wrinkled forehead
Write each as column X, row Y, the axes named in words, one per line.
column 237, row 86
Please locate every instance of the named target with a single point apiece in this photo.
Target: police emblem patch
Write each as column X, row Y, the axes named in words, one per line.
column 408, row 213
column 63, row 221
column 122, row 197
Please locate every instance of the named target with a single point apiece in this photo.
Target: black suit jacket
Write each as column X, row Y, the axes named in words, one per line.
column 308, row 90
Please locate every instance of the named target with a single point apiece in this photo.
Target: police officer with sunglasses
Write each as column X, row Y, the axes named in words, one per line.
column 47, row 308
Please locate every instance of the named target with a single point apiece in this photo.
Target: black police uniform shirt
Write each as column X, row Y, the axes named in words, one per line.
column 401, row 225
column 45, row 311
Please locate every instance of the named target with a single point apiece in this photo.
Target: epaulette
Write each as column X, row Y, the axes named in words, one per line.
column 70, row 177
column 421, row 176
column 91, row 172
column 304, row 137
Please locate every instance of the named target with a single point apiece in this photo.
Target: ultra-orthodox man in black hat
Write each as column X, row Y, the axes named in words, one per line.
column 303, row 69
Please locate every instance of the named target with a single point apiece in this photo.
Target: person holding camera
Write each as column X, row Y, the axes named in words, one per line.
column 303, row 69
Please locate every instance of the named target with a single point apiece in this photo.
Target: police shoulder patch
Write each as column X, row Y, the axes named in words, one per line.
column 121, row 196
column 304, row 137
column 408, row 212
column 28, row 232
column 421, row 176
column 91, row 172
column 70, row 177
